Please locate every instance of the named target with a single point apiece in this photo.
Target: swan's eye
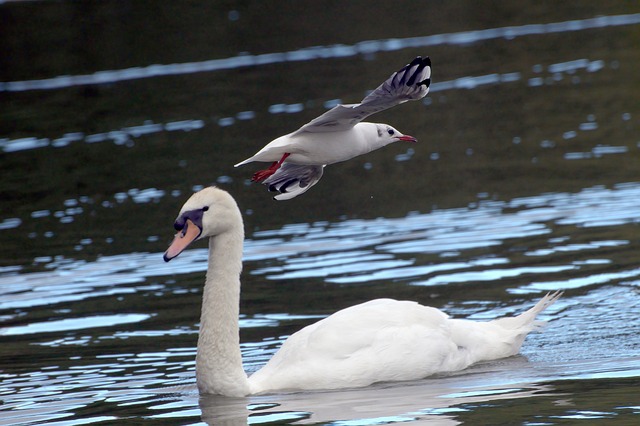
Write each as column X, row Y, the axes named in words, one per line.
column 391, row 132
column 205, row 208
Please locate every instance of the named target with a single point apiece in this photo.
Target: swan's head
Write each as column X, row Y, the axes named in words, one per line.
column 387, row 134
column 206, row 213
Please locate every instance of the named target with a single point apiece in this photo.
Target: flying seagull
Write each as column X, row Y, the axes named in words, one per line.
column 298, row 159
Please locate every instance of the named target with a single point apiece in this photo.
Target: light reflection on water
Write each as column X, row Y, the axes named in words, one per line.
column 73, row 324
column 126, row 136
column 366, row 250
column 323, row 52
column 347, row 252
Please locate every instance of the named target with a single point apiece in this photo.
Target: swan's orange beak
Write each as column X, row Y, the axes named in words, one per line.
column 183, row 238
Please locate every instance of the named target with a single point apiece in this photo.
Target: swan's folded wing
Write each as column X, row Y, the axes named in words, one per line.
column 291, row 180
column 381, row 340
column 410, row 83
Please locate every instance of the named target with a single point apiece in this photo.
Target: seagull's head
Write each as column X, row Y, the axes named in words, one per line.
column 387, row 134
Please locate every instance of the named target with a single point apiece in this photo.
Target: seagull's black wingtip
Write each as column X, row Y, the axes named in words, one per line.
column 421, row 64
column 424, row 62
column 416, row 61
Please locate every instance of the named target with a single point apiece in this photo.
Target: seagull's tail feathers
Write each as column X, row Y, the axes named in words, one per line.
column 291, row 180
column 248, row 160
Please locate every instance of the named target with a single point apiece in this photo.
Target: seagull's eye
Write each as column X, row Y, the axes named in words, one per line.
column 205, row 208
column 391, row 132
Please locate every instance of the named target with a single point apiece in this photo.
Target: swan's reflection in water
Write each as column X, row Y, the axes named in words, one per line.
column 221, row 410
column 435, row 400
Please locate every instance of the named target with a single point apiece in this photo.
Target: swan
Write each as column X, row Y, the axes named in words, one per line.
column 377, row 341
column 338, row 135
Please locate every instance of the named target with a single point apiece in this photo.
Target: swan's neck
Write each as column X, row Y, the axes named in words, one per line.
column 219, row 360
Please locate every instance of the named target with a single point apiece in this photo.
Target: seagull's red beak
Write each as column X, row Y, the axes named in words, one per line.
column 407, row 138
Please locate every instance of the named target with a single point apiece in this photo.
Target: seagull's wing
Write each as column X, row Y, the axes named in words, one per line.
column 409, row 84
column 291, row 180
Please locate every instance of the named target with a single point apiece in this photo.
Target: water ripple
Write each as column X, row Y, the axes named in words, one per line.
column 359, row 250
column 318, row 52
column 127, row 135
column 74, row 324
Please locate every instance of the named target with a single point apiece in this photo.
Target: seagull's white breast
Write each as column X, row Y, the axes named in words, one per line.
column 309, row 148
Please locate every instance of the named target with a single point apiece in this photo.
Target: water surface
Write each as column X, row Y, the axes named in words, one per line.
column 524, row 181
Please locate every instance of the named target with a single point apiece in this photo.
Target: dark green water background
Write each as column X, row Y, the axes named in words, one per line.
column 525, row 179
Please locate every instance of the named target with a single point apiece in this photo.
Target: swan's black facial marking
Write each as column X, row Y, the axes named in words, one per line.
column 194, row 215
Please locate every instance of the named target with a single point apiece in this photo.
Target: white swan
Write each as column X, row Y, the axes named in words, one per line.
column 380, row 340
column 337, row 135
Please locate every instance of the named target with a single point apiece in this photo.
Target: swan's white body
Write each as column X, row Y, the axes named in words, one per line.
column 338, row 135
column 380, row 340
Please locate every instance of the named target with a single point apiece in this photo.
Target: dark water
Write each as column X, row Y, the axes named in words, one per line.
column 525, row 180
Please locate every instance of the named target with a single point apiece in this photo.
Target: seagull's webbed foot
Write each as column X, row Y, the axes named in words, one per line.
column 261, row 175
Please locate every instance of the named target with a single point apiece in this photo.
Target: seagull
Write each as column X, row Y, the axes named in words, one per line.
column 299, row 158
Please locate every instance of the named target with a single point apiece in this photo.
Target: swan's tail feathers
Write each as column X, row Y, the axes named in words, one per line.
column 291, row 180
column 527, row 320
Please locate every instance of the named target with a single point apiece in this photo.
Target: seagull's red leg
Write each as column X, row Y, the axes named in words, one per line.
column 261, row 175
